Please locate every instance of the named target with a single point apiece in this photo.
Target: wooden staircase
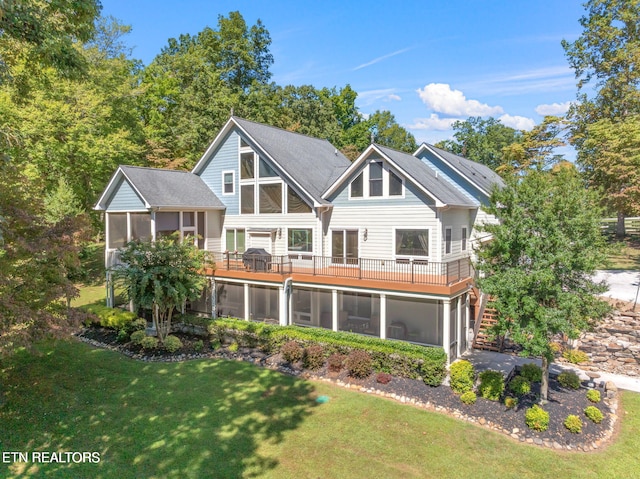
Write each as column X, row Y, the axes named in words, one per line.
column 485, row 319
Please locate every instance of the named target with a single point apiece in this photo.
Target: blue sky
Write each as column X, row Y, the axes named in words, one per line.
column 429, row 62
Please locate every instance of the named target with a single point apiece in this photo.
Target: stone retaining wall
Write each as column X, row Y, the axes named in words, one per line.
column 614, row 345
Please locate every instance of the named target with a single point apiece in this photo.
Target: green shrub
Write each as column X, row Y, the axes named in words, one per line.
column 149, row 342
column 532, row 372
column 138, row 324
column 573, row 423
column 510, row 402
column 594, row 414
column 215, row 344
column 520, row 386
column 137, row 337
column 198, row 346
column 336, row 362
column 462, row 376
column 123, row 336
column 233, row 347
column 112, row 318
column 569, row 379
column 537, row 418
column 433, row 372
column 491, row 385
column 358, row 364
column 172, row 344
column 384, row 378
column 575, row 356
column 291, row 352
column 593, row 395
column 313, row 357
column 468, row 398
column 398, row 358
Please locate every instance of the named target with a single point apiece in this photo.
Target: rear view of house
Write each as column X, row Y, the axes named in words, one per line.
column 300, row 235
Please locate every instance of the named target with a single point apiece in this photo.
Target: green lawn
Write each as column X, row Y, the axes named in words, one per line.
column 626, row 255
column 218, row 419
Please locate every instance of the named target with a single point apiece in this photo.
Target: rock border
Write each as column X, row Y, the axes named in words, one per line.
column 516, row 434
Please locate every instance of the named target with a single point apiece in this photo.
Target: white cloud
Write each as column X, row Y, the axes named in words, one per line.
column 558, row 78
column 393, row 97
column 553, row 109
column 440, row 98
column 434, row 122
column 517, row 122
column 383, row 57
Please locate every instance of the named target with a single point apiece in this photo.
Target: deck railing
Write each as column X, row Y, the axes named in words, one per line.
column 388, row 270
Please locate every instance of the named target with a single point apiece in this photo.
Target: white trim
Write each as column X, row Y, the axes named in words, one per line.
column 358, row 162
column 233, row 182
column 226, row 130
column 410, row 257
column 344, row 238
column 464, row 238
column 444, row 238
column 110, row 186
column 466, row 177
column 300, row 253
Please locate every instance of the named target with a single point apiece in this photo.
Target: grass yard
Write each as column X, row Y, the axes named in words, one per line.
column 626, row 255
column 222, row 419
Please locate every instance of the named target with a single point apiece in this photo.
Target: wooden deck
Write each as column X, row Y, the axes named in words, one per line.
column 419, row 276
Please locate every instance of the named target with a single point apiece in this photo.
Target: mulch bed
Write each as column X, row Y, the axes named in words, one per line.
column 496, row 415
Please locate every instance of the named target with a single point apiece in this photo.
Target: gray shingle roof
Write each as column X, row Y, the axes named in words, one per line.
column 171, row 188
column 438, row 185
column 476, row 172
column 312, row 162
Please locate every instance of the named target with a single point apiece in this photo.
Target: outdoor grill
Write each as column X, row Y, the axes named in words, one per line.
column 257, row 259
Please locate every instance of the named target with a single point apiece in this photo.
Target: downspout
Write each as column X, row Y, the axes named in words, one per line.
column 288, row 291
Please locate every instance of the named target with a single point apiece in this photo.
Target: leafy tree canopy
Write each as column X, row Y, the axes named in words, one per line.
column 539, row 264
column 605, row 60
column 161, row 276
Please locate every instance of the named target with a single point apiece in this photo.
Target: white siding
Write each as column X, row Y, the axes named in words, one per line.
column 381, row 223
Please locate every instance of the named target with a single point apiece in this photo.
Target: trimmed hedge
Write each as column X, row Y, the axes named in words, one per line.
column 394, row 357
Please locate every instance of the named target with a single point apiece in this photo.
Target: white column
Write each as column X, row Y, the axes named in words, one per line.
column 383, row 316
column 459, row 327
column 282, row 306
column 446, row 318
column 246, row 301
column 153, row 225
column 467, row 310
column 334, row 309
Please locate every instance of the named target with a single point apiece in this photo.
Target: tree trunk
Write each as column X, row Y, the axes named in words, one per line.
column 620, row 230
column 544, row 387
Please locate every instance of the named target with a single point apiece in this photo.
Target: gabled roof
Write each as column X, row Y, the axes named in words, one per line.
column 479, row 175
column 310, row 163
column 160, row 188
column 433, row 185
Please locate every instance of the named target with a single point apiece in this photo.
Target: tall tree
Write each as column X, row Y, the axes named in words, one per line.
column 535, row 149
column 79, row 130
column 161, row 276
column 37, row 34
column 388, row 132
column 482, row 140
column 605, row 60
column 191, row 87
column 538, row 267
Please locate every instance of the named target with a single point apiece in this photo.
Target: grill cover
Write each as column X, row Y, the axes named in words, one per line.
column 257, row 259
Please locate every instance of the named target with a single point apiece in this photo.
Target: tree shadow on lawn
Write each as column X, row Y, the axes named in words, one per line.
column 206, row 418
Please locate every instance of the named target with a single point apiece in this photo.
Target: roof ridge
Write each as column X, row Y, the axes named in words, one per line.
column 153, row 168
column 284, row 130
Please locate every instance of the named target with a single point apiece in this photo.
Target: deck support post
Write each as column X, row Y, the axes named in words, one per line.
column 247, row 303
column 446, row 328
column 383, row 316
column 334, row 309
